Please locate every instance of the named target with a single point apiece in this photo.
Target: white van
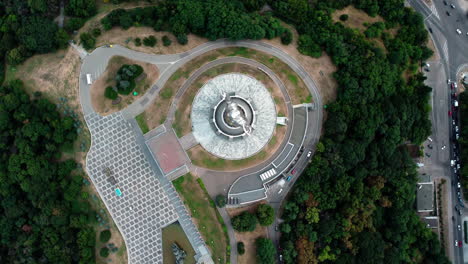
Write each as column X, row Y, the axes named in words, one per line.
column 88, row 78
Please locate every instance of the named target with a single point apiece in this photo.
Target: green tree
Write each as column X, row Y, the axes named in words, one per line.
column 166, row 41
column 110, row 93
column 266, row 251
column 81, row 8
column 105, row 235
column 220, row 200
column 245, row 222
column 240, row 248
column 265, row 214
column 87, row 41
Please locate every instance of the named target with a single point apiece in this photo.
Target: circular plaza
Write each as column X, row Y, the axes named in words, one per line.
column 233, row 116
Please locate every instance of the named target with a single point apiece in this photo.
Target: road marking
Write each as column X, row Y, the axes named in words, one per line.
column 445, row 50
column 434, row 11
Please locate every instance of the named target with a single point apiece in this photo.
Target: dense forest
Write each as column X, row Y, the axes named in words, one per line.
column 354, row 203
column 43, row 217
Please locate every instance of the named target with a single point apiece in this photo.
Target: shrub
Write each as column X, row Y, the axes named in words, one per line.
column 182, row 39
column 137, row 42
column 87, row 41
column 265, row 214
column 104, row 252
column 150, row 41
column 126, row 76
column 110, row 93
column 220, row 200
column 166, row 41
column 287, row 37
column 96, row 32
column 245, row 222
column 74, row 23
column 240, row 248
column 344, row 17
column 105, row 236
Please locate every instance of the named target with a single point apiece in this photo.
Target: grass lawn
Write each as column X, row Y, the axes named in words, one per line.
column 142, row 123
column 205, row 215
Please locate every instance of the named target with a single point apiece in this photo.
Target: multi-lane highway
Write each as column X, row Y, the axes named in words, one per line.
column 447, row 23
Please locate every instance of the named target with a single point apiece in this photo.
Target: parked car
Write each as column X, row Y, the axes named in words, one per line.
column 456, row 243
column 309, row 154
column 459, row 227
column 288, row 178
column 458, row 30
column 452, row 6
column 293, row 171
column 445, row 2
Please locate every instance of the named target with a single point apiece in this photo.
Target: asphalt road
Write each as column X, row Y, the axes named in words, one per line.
column 443, row 21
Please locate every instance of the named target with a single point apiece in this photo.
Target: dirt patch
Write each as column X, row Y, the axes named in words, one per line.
column 182, row 123
column 320, row 69
column 431, row 46
column 356, row 18
column 120, row 36
column 103, row 105
column 248, row 238
column 125, row 38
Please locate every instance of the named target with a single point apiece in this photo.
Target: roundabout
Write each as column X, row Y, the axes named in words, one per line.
column 145, row 164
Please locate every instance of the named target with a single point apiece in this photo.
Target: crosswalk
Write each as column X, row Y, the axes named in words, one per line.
column 268, row 174
column 434, row 11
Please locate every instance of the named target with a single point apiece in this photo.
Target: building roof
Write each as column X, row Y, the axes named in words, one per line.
column 425, row 197
column 431, row 221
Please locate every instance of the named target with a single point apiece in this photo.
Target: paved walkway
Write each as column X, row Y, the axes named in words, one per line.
column 144, row 208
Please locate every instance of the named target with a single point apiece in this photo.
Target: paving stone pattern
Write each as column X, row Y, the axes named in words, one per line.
column 144, row 208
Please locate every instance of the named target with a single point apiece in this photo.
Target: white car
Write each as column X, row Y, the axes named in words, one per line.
column 309, row 154
column 459, row 31
column 456, row 243
column 458, row 185
column 459, row 228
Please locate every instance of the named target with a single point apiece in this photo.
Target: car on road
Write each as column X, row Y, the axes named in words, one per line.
column 430, row 139
column 456, row 128
column 456, row 243
column 458, row 185
column 276, row 228
column 280, row 190
column 458, row 30
column 309, row 154
column 430, row 30
column 288, row 178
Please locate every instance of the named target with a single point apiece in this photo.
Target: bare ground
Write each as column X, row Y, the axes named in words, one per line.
column 356, row 18
column 104, row 105
column 320, row 69
column 248, row 238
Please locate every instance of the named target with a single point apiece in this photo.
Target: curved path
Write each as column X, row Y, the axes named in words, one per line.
column 149, row 201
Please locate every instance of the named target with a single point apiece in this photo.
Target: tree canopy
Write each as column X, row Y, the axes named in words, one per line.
column 44, row 219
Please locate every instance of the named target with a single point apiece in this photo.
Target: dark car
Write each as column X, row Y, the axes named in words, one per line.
column 445, row 2
column 430, row 30
column 448, row 13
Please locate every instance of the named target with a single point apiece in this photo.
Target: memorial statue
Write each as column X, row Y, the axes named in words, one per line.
column 179, row 254
column 235, row 116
